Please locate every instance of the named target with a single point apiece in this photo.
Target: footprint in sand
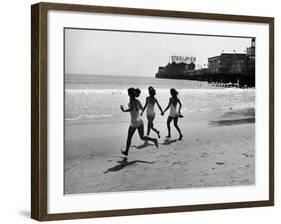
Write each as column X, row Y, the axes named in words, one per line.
column 245, row 154
column 246, row 181
column 204, row 154
column 232, row 182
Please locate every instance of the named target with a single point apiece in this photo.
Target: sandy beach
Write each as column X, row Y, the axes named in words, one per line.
column 218, row 149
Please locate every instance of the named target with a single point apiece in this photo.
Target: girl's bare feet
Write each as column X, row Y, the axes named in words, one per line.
column 124, row 153
column 158, row 133
column 156, row 143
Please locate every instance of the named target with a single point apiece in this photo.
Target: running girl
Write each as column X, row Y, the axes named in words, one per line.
column 150, row 113
column 174, row 113
column 136, row 121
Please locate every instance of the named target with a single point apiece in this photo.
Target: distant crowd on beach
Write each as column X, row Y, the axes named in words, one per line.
column 136, row 111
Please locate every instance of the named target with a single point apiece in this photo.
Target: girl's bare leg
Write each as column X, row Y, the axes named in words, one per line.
column 131, row 132
column 169, row 120
column 148, row 127
column 146, row 138
column 177, row 127
column 151, row 126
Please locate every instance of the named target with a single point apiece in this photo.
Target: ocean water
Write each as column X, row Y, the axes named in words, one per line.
column 90, row 97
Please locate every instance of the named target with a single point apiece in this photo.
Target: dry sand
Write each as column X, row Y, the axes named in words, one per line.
column 218, row 149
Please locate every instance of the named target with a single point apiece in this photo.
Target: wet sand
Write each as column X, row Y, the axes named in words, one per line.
column 218, row 149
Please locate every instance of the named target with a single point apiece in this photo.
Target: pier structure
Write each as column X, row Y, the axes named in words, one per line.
column 226, row 69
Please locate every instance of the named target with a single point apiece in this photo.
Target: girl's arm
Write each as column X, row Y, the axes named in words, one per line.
column 159, row 106
column 179, row 106
column 141, row 107
column 169, row 104
column 144, row 107
column 127, row 110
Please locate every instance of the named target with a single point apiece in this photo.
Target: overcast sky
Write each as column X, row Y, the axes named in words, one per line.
column 138, row 54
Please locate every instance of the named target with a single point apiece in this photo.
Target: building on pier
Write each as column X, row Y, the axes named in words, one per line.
column 235, row 68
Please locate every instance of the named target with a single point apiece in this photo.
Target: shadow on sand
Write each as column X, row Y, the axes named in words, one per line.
column 232, row 122
column 168, row 141
column 144, row 145
column 123, row 163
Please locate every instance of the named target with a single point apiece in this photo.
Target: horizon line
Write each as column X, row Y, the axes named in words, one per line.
column 91, row 74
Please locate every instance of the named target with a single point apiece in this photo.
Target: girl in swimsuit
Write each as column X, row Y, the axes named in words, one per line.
column 150, row 113
column 174, row 114
column 136, row 122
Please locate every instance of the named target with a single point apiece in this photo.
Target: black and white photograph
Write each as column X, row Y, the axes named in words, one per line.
column 151, row 111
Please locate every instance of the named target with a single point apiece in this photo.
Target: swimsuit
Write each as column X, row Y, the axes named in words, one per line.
column 136, row 120
column 150, row 108
column 173, row 111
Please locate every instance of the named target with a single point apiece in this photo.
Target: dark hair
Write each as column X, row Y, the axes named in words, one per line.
column 174, row 92
column 137, row 92
column 134, row 92
column 151, row 91
column 131, row 91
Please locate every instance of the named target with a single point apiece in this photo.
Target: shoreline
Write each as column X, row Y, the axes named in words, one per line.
column 190, row 115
